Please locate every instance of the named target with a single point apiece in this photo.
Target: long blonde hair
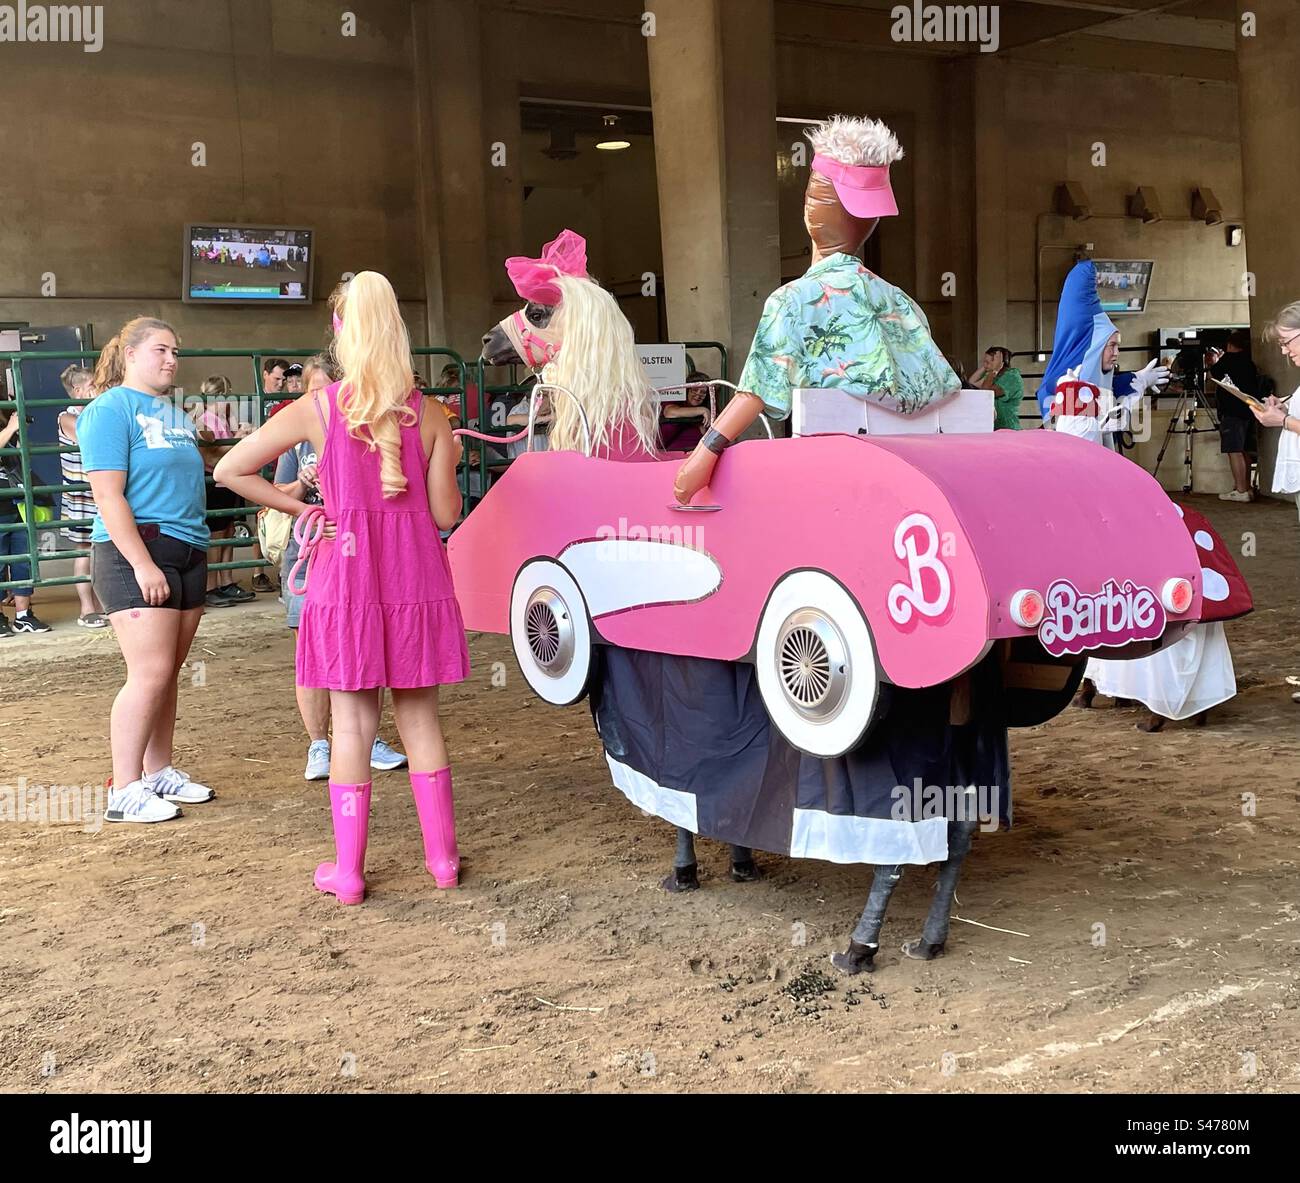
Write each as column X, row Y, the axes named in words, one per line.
column 374, row 353
column 598, row 362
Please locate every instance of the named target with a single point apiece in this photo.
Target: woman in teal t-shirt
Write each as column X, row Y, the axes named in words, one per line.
column 150, row 542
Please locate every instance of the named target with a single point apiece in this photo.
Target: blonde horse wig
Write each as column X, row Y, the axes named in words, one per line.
column 374, row 353
column 598, row 362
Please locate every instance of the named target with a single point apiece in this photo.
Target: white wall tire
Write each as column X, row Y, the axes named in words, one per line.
column 816, row 664
column 550, row 632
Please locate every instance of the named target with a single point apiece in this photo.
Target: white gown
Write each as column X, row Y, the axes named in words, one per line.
column 1182, row 680
column 1189, row 677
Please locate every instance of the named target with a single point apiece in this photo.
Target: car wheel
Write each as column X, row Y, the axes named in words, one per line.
column 550, row 632
column 816, row 664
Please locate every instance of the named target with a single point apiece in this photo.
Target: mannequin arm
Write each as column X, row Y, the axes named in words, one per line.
column 697, row 468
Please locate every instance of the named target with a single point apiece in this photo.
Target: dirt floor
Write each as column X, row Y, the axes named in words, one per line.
column 194, row 955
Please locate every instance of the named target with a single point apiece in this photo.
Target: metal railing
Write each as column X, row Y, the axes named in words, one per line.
column 34, row 498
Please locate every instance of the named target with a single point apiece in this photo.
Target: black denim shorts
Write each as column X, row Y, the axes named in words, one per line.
column 1236, row 435
column 185, row 566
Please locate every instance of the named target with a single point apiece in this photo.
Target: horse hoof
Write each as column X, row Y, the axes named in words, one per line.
column 856, row 959
column 682, row 879
column 1151, row 724
column 746, row 872
column 923, row 950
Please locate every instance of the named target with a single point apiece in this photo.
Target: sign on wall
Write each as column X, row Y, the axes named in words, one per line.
column 664, row 365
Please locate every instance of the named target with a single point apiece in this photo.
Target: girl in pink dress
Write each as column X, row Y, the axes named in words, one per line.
column 380, row 608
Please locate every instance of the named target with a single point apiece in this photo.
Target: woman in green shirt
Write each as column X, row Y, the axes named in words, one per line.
column 996, row 373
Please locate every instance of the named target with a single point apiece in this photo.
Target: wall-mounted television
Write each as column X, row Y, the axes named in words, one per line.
column 1123, row 284
column 248, row 264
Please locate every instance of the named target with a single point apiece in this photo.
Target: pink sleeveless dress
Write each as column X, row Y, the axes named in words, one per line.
column 380, row 607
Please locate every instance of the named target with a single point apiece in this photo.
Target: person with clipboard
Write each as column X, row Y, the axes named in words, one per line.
column 1234, row 373
column 1275, row 412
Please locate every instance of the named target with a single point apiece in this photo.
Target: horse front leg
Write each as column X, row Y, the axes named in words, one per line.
column 934, row 934
column 685, row 873
column 864, row 944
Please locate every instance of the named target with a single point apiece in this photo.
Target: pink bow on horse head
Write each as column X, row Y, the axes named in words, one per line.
column 533, row 278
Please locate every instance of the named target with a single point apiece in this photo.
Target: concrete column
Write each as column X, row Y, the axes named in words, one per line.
column 1268, row 80
column 453, row 156
column 505, row 187
column 989, row 200
column 713, row 91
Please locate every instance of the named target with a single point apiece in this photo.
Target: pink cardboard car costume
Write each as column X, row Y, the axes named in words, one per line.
column 840, row 627
column 907, row 567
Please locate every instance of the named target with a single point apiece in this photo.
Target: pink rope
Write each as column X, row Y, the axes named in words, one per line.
column 491, row 439
column 308, row 530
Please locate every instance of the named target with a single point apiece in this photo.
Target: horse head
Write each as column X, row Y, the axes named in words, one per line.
column 523, row 338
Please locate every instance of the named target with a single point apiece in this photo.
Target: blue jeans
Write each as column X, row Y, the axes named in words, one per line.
column 14, row 542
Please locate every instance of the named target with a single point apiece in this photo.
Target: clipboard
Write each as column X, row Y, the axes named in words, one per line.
column 1236, row 391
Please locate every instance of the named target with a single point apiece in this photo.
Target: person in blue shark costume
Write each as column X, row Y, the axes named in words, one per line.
column 1083, row 391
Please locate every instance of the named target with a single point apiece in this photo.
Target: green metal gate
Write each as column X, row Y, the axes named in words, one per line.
column 31, row 494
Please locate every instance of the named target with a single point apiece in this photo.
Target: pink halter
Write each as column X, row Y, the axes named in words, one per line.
column 536, row 347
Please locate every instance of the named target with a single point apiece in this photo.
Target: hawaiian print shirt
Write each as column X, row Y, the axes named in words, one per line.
column 839, row 325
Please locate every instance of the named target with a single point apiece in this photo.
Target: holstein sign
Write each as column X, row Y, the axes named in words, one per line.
column 664, row 365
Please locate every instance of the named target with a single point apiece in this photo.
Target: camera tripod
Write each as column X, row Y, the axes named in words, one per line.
column 1183, row 422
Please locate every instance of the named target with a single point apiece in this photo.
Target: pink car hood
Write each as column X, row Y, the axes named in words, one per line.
column 933, row 536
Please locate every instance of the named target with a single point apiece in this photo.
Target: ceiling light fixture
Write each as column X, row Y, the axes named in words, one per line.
column 612, row 142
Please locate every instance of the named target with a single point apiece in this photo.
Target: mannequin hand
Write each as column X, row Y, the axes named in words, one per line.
column 694, row 474
column 1151, row 376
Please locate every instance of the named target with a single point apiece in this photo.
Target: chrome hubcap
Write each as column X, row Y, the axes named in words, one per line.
column 812, row 664
column 548, row 628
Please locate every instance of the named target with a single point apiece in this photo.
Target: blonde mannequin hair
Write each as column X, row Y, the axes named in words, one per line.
column 598, row 362
column 855, row 141
column 374, row 353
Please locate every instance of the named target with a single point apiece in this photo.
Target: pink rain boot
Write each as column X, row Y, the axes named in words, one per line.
column 350, row 809
column 432, row 793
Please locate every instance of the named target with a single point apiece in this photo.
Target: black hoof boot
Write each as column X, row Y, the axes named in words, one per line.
column 682, row 879
column 923, row 950
column 745, row 872
column 856, row 959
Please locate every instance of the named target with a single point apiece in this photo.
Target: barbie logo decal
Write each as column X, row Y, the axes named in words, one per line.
column 916, row 542
column 1113, row 616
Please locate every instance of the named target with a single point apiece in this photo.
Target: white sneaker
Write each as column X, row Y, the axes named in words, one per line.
column 1234, row 495
column 137, row 802
column 171, row 784
column 318, row 760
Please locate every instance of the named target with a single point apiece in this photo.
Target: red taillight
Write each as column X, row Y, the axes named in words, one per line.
column 1027, row 608
column 1176, row 595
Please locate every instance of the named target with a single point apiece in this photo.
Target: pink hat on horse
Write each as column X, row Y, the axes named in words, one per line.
column 565, row 255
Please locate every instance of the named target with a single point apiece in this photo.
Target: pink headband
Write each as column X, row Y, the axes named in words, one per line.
column 534, row 278
column 863, row 189
column 337, row 321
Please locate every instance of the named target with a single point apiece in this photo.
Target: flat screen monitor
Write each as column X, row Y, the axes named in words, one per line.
column 1123, row 284
column 248, row 264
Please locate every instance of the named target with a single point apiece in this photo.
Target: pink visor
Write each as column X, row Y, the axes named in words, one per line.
column 863, row 189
